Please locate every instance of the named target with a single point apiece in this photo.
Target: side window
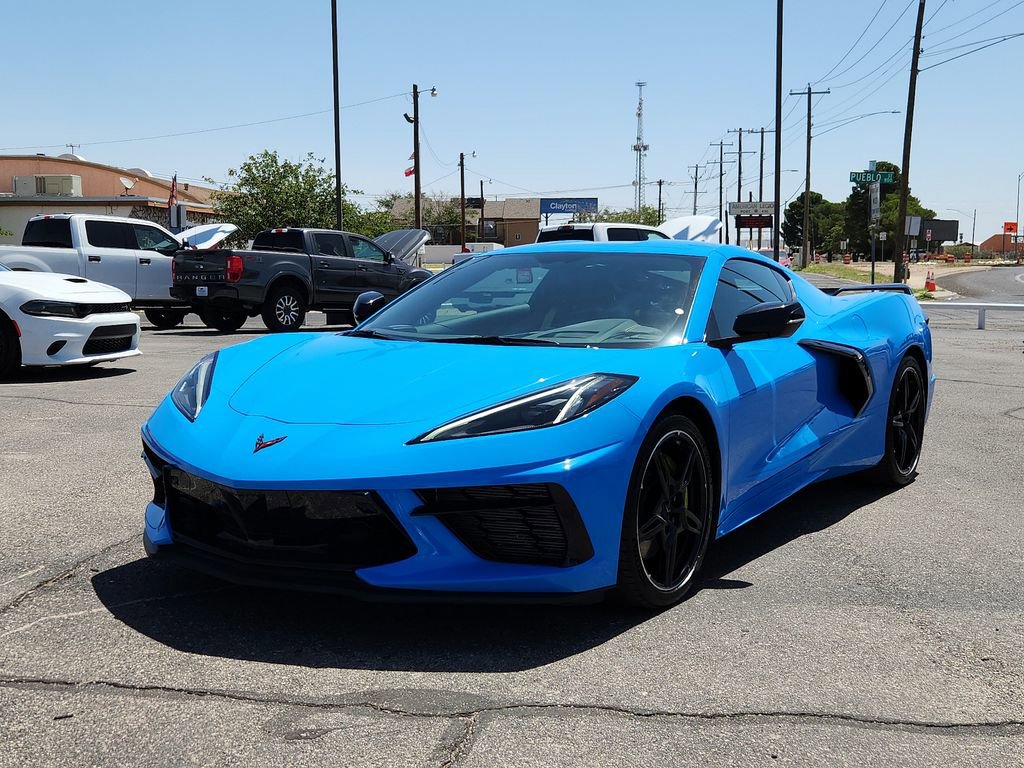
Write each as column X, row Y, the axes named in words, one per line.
column 51, row 233
column 650, row 234
column 619, row 234
column 364, row 249
column 328, row 244
column 107, row 234
column 152, row 239
column 742, row 285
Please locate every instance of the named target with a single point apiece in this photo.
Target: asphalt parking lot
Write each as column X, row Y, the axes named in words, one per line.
column 847, row 626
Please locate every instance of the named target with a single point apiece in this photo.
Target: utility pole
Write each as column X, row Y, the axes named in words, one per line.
column 696, row 178
column 480, row 222
column 640, row 148
column 739, row 169
column 721, row 185
column 661, row 216
column 339, row 217
column 776, row 224
column 462, row 196
column 416, row 191
column 804, row 256
column 908, row 131
column 760, row 182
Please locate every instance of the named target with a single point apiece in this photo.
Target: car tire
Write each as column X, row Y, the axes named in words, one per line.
column 10, row 349
column 165, row 319
column 284, row 309
column 670, row 515
column 904, row 426
column 225, row 321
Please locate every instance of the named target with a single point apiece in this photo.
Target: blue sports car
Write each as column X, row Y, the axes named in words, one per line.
column 544, row 422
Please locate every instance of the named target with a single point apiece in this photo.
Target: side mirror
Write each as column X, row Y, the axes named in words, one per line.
column 388, row 257
column 767, row 320
column 367, row 303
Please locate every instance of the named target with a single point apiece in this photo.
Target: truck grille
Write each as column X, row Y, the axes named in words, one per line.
column 534, row 523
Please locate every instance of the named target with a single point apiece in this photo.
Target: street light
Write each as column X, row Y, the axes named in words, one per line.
column 974, row 220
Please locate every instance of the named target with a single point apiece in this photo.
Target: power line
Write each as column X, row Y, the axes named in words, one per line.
column 206, row 130
column 980, row 24
column 968, row 17
column 968, row 53
column 869, row 50
column 855, row 42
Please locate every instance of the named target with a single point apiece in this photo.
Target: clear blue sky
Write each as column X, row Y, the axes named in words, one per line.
column 543, row 92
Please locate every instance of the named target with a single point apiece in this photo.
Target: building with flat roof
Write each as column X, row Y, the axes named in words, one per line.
column 39, row 184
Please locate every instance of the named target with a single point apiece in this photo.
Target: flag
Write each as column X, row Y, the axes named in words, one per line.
column 410, row 170
column 172, row 199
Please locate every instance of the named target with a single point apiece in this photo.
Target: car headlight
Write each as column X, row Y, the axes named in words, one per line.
column 45, row 308
column 554, row 405
column 192, row 390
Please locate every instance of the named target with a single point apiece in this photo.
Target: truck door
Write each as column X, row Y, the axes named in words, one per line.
column 110, row 254
column 376, row 271
column 154, row 251
column 335, row 279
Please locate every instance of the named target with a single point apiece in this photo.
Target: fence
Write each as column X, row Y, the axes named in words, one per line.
column 974, row 306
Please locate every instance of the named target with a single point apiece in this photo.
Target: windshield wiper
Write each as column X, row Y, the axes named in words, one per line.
column 370, row 333
column 506, row 341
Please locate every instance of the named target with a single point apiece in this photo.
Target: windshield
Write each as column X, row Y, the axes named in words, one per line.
column 593, row 298
column 4, row 269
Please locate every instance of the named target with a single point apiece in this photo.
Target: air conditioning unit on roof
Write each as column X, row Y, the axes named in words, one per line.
column 64, row 185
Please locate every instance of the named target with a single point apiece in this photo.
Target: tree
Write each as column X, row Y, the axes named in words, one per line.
column 827, row 223
column 858, row 208
column 5, row 233
column 889, row 221
column 266, row 191
column 647, row 215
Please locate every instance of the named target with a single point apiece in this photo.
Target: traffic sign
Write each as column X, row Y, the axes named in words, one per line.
column 882, row 235
column 876, row 201
column 866, row 177
column 928, row 235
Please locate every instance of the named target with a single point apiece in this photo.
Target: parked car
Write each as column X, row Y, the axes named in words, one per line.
column 599, row 233
column 636, row 402
column 291, row 270
column 48, row 319
column 132, row 255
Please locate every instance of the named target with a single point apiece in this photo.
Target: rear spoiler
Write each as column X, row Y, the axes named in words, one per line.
column 894, row 287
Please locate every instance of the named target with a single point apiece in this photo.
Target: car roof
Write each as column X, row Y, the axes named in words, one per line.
column 596, row 224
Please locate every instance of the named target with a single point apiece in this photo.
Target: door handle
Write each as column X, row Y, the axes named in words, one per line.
column 145, row 261
column 93, row 257
column 361, row 268
column 324, row 264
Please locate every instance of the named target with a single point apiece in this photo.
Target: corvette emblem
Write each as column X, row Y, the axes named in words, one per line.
column 261, row 443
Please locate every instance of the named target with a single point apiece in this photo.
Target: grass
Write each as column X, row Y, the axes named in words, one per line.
column 923, row 295
column 835, row 270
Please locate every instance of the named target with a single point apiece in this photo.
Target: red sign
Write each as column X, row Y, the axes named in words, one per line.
column 1009, row 227
column 928, row 235
column 753, row 222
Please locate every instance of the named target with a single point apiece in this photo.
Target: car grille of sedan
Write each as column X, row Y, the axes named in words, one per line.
column 84, row 310
column 109, row 339
column 327, row 529
column 535, row 523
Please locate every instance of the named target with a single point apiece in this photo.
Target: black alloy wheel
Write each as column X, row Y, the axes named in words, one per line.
column 284, row 309
column 225, row 321
column 165, row 319
column 670, row 516
column 10, row 349
column 904, row 429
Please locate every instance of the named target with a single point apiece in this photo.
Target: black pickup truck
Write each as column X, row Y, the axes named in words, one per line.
column 291, row 270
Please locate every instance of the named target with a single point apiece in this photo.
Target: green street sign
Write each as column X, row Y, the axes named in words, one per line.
column 867, row 177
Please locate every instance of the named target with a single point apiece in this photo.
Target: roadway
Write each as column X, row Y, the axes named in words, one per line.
column 998, row 284
column 849, row 626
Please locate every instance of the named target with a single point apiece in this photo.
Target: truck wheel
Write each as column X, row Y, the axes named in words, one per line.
column 284, row 309
column 226, row 321
column 10, row 349
column 164, row 319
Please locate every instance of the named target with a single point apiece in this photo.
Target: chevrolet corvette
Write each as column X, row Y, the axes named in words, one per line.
column 554, row 421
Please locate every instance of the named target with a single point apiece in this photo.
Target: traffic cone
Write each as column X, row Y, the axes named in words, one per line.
column 929, row 281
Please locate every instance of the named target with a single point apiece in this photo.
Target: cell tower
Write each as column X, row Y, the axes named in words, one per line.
column 640, row 148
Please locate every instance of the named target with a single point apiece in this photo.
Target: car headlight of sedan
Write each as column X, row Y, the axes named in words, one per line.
column 546, row 408
column 192, row 390
column 46, row 308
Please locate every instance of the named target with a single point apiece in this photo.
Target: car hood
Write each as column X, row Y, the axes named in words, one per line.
column 337, row 379
column 403, row 243
column 205, row 235
column 47, row 285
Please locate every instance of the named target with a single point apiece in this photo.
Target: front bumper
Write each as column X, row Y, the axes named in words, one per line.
column 450, row 556
column 72, row 341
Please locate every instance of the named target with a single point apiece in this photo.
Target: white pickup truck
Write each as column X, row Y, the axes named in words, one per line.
column 131, row 254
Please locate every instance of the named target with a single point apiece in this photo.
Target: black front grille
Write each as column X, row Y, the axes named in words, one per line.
column 535, row 523
column 309, row 529
column 101, row 344
column 84, row 310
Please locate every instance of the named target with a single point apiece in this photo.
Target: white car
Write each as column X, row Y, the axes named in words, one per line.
column 49, row 319
column 600, row 232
